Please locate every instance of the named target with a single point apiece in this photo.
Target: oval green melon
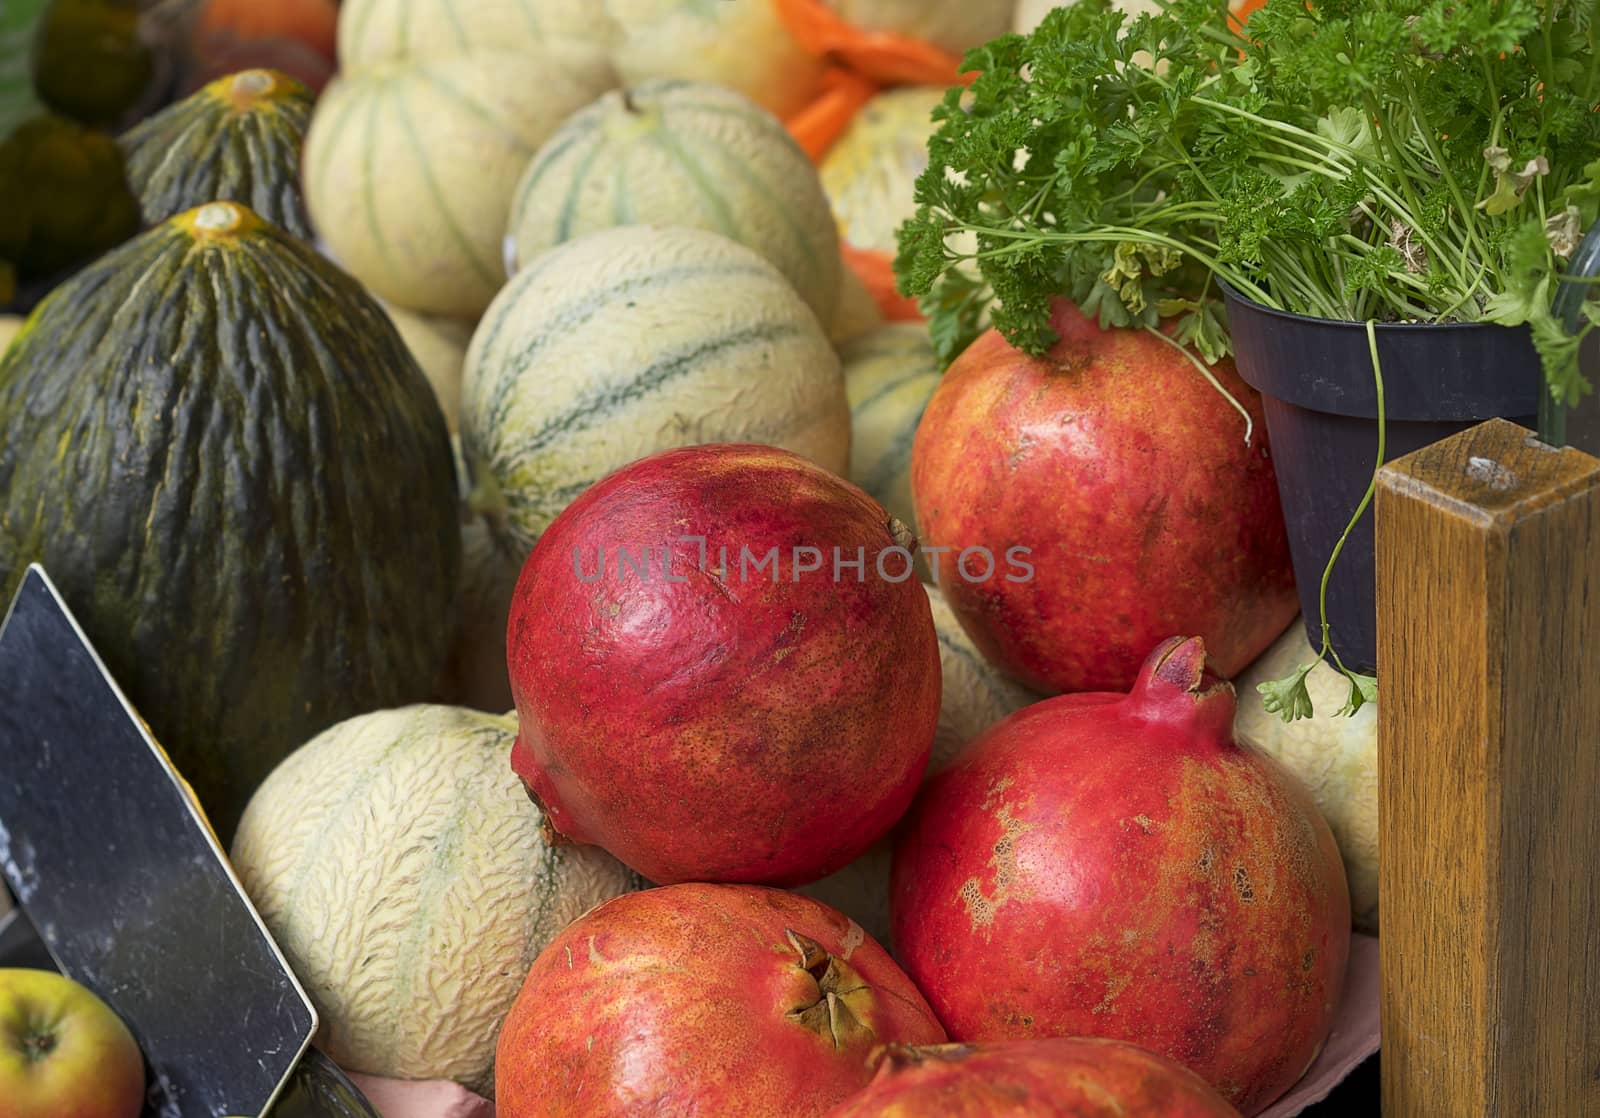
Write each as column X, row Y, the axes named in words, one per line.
column 954, row 26
column 1335, row 755
column 237, row 139
column 741, row 44
column 440, row 347
column 633, row 340
column 219, row 448
column 397, row 861
column 410, row 169
column 890, row 375
column 376, row 31
column 975, row 696
column 684, row 153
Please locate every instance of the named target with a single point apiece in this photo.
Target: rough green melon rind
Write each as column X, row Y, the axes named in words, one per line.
column 227, row 460
column 632, row 340
column 205, row 148
column 684, row 153
column 397, row 860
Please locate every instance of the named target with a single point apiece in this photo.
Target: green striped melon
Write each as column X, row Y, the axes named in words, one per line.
column 398, row 863
column 890, row 375
column 377, row 31
column 975, row 696
column 955, row 26
column 220, row 449
column 684, row 153
column 440, row 347
column 737, row 43
column 633, row 340
column 870, row 174
column 237, row 139
column 857, row 312
column 410, row 169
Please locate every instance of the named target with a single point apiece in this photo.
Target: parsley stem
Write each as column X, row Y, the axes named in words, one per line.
column 1211, row 378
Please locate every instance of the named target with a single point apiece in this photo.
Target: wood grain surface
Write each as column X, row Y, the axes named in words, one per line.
column 1488, row 553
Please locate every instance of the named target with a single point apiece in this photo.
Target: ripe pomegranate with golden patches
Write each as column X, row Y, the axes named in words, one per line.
column 1128, row 479
column 1054, row 1078
column 1116, row 866
column 704, row 1001
column 707, row 683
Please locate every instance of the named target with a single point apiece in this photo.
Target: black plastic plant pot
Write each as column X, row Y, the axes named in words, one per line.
column 1321, row 403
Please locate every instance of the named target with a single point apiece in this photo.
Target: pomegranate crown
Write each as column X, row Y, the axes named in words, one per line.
column 1176, row 684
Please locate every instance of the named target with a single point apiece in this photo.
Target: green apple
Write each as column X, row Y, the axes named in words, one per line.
column 63, row 1052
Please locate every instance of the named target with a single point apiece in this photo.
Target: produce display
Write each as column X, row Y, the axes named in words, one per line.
column 227, row 143
column 689, row 154
column 632, row 340
column 64, row 1053
column 704, row 999
column 220, row 514
column 396, row 861
column 1058, row 1078
column 1335, row 755
column 1198, row 909
column 609, row 627
column 779, row 719
column 1148, row 503
column 410, row 168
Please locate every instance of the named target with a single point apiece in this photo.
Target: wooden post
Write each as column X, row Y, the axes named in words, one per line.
column 1488, row 550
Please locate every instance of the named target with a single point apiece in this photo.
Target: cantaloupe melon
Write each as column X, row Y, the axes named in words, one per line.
column 410, row 169
column 633, row 340
column 857, row 312
column 955, row 26
column 870, row 174
column 375, row 31
column 1336, row 756
column 890, row 375
column 10, row 327
column 398, row 863
column 741, row 44
column 440, row 347
column 684, row 153
column 975, row 697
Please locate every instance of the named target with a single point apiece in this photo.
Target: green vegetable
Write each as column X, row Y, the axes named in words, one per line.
column 89, row 62
column 65, row 197
column 1396, row 160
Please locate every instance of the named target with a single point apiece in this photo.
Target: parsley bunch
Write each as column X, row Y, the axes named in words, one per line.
column 1358, row 160
column 1397, row 160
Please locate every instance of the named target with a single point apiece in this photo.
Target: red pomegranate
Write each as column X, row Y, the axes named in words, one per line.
column 1116, row 866
column 761, row 708
column 1127, row 478
column 704, row 1000
column 1054, row 1078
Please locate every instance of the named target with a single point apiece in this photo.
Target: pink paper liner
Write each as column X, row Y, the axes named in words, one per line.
column 1352, row 1041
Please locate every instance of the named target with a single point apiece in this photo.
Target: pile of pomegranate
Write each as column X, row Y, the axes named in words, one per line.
column 727, row 675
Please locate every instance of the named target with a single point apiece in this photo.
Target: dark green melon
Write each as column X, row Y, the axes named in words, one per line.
column 222, row 452
column 237, row 139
